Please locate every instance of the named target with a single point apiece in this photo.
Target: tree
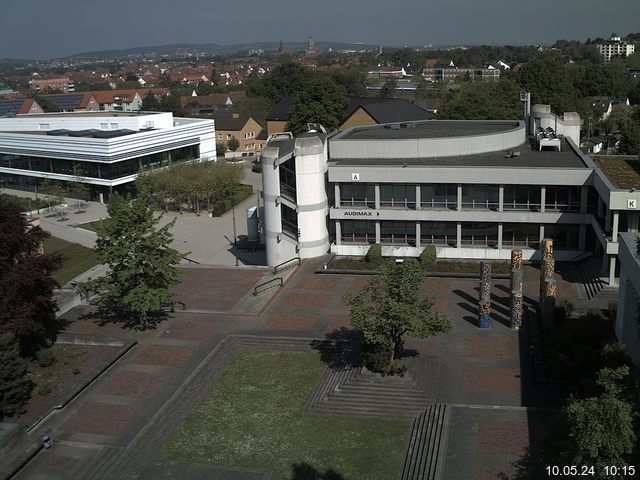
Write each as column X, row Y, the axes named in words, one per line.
column 221, row 148
column 284, row 81
column 142, row 266
column 256, row 107
column 27, row 309
column 151, row 103
column 549, row 83
column 389, row 88
column 233, row 144
column 79, row 186
column 484, row 100
column 391, row 305
column 320, row 101
column 55, row 191
column 15, row 386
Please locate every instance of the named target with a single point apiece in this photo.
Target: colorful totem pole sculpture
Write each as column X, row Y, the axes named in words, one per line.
column 548, row 284
column 484, row 305
column 516, row 289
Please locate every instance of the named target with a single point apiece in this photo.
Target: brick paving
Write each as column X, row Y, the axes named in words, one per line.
column 101, row 418
column 134, row 384
column 174, row 364
column 164, row 355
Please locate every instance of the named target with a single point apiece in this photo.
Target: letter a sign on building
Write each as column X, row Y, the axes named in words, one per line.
column 355, row 177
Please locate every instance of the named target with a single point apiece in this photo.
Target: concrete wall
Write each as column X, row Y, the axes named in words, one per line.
column 429, row 147
column 627, row 329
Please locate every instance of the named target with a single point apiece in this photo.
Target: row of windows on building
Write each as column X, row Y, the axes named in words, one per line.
column 483, row 235
column 486, row 197
column 108, row 171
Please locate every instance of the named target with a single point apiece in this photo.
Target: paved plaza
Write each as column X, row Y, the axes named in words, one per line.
column 115, row 428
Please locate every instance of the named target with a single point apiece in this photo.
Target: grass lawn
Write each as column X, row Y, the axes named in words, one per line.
column 93, row 226
column 77, row 259
column 254, row 417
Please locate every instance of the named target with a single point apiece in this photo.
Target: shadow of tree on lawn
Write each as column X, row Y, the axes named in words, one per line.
column 305, row 471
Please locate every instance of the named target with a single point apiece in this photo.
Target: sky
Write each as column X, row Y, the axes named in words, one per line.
column 42, row 29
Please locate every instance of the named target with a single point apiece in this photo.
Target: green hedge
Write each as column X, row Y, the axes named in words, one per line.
column 225, row 204
column 428, row 256
column 374, row 255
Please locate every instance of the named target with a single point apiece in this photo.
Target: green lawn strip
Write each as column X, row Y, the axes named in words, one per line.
column 77, row 259
column 93, row 226
column 254, row 418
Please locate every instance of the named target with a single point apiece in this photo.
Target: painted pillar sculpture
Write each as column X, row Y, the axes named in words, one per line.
column 484, row 304
column 517, row 275
column 484, row 315
column 548, row 313
column 547, row 267
column 516, row 309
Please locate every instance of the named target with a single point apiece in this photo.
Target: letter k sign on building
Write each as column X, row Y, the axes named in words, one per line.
column 355, row 177
column 631, row 203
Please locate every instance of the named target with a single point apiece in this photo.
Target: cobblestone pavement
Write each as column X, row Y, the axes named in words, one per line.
column 115, row 428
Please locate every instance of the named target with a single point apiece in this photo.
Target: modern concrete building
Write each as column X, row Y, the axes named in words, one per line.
column 474, row 189
column 108, row 148
column 627, row 323
column 615, row 47
column 295, row 198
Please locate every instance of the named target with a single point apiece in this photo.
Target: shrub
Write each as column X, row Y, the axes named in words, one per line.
column 612, row 310
column 428, row 256
column 564, row 310
column 376, row 356
column 15, row 386
column 45, row 358
column 256, row 168
column 374, row 255
column 44, row 388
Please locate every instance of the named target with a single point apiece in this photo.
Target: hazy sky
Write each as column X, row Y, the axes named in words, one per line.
column 56, row 28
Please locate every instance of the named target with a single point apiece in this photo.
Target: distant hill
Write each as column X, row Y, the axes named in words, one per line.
column 212, row 49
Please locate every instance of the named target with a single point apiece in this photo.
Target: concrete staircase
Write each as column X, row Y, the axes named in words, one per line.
column 424, row 457
column 356, row 391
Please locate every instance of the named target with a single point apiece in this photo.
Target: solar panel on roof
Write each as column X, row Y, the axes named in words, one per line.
column 10, row 106
column 65, row 101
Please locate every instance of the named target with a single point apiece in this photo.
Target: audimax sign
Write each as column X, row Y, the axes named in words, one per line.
column 359, row 213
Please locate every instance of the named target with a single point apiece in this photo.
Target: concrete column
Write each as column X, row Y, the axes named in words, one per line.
column 612, row 271
column 582, row 237
column 418, row 197
column 377, row 232
column 543, row 199
column 499, row 236
column 616, row 223
column 338, row 225
column 541, row 232
column 336, row 193
column 418, row 234
column 459, row 235
column 501, row 198
column 459, row 199
column 377, row 199
column 584, row 194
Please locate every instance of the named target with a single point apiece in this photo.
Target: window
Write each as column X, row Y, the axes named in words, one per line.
column 357, row 195
column 249, row 135
column 113, row 126
column 439, row 233
column 565, row 237
column 220, row 136
column 479, row 234
column 229, row 136
column 289, row 222
column 562, row 199
column 104, row 126
column 525, row 235
column 480, row 197
column 44, row 126
column 439, row 196
column 522, row 197
column 398, row 196
column 358, row 232
column 398, row 233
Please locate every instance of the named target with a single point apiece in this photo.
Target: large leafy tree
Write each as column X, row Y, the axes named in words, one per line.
column 15, row 386
column 142, row 265
column 284, row 81
column 319, row 101
column 27, row 309
column 485, row 100
column 549, row 83
column 392, row 305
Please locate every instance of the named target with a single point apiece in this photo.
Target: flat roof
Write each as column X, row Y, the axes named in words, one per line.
column 529, row 158
column 623, row 171
column 428, row 129
column 101, row 113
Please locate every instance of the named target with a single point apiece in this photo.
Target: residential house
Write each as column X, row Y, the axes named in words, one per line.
column 10, row 107
column 73, row 102
column 241, row 127
column 615, row 47
column 605, row 104
column 208, row 104
column 41, row 84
